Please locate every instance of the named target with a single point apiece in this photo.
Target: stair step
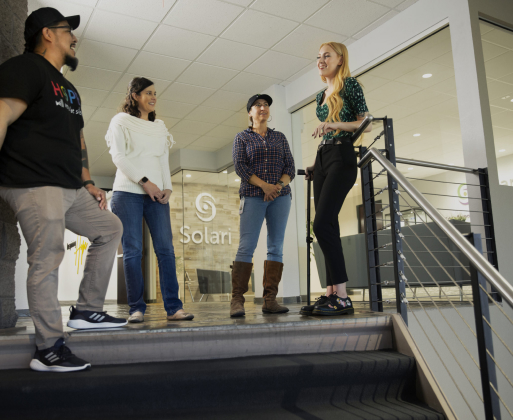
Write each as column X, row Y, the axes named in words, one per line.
column 350, row 385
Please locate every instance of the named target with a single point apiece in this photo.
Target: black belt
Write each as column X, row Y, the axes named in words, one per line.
column 335, row 141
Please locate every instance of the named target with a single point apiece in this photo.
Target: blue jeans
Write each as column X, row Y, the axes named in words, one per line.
column 131, row 208
column 276, row 214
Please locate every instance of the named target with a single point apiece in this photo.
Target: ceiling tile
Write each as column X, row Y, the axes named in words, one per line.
column 445, row 60
column 211, row 115
column 104, row 115
column 432, row 47
column 405, row 4
column 447, row 86
column 93, row 97
column 507, row 79
column 486, row 27
column 259, row 29
column 277, row 65
column 230, row 54
column 153, row 10
column 389, row 3
column 93, row 78
column 183, row 139
column 122, row 85
column 376, row 24
column 170, row 122
column 491, row 50
column 211, row 142
column 239, row 120
column 94, row 135
column 114, row 100
column 305, row 41
column 103, row 166
column 250, row 84
column 370, row 82
column 177, row 42
column 242, row 3
column 159, row 66
column 499, row 66
column 300, row 73
column 393, row 91
column 206, row 75
column 206, row 16
column 87, row 111
column 500, row 36
column 67, row 9
column 193, row 127
column 398, row 66
column 119, row 29
column 227, row 100
column 104, row 56
column 297, row 10
column 347, row 17
column 173, row 109
column 498, row 89
column 224, row 131
column 439, row 74
column 187, row 93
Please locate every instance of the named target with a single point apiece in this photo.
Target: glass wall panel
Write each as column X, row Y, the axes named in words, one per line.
column 417, row 89
column 205, row 223
column 498, row 55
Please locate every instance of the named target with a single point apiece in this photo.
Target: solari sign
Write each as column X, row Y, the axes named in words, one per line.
column 205, row 211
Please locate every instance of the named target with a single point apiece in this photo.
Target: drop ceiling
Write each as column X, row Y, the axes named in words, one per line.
column 206, row 57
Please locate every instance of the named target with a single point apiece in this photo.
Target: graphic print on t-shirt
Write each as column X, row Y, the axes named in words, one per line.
column 67, row 94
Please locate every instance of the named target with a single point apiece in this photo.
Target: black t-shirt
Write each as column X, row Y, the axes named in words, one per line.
column 42, row 147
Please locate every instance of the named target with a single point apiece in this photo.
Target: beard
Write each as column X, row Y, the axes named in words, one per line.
column 71, row 62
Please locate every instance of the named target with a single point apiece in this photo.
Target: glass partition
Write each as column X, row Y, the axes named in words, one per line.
column 498, row 55
column 205, row 223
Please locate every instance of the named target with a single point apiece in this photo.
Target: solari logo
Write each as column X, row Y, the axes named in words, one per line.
column 463, row 194
column 203, row 207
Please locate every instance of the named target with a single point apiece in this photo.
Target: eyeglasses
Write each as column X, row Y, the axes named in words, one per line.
column 265, row 105
column 61, row 27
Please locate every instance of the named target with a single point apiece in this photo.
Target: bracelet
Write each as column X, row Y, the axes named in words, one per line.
column 281, row 183
column 90, row 181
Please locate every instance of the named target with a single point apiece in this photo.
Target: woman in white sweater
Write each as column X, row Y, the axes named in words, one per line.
column 139, row 145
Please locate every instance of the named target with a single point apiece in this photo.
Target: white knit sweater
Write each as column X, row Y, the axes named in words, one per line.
column 139, row 149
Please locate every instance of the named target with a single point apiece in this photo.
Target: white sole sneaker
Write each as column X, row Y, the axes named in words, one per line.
column 40, row 367
column 81, row 324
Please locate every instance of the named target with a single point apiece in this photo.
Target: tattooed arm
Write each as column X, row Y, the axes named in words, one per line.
column 96, row 192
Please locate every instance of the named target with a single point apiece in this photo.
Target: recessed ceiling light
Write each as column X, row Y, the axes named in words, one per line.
column 311, row 198
column 502, row 150
column 426, row 76
column 512, row 100
column 237, row 180
column 188, row 175
column 416, row 135
column 410, row 169
column 452, row 164
column 225, row 172
column 355, row 185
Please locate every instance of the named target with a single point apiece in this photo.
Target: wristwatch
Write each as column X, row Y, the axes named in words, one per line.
column 143, row 181
column 281, row 183
column 90, row 181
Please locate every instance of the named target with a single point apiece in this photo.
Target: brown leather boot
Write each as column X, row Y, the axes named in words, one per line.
column 241, row 273
column 272, row 278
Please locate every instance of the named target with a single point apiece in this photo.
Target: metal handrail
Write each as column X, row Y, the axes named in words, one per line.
column 435, row 165
column 481, row 264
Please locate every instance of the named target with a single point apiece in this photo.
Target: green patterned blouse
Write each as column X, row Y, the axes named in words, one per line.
column 354, row 106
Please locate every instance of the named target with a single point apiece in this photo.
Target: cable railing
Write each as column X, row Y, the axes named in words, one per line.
column 413, row 248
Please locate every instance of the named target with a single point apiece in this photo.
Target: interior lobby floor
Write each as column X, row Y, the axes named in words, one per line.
column 206, row 314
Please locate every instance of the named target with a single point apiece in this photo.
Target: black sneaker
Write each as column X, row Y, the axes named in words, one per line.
column 57, row 359
column 335, row 306
column 308, row 309
column 84, row 320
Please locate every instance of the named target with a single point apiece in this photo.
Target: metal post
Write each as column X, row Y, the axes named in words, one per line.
column 371, row 237
column 309, row 238
column 488, row 222
column 395, row 221
column 484, row 337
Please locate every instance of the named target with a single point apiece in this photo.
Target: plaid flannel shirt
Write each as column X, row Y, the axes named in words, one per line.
column 266, row 157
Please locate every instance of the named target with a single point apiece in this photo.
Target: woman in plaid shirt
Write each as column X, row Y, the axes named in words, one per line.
column 265, row 165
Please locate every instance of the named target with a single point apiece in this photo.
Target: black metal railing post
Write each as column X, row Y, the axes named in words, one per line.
column 371, row 237
column 488, row 224
column 309, row 238
column 484, row 337
column 395, row 224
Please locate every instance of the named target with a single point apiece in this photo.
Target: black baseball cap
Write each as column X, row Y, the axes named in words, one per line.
column 253, row 99
column 45, row 16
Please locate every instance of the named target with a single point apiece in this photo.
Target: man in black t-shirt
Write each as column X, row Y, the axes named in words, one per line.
column 44, row 176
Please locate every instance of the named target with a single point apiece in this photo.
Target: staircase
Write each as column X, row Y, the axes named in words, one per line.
column 370, row 385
